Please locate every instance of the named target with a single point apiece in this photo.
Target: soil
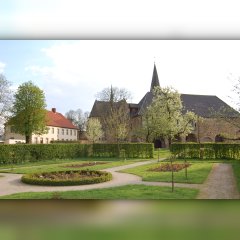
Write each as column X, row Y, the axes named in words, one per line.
column 84, row 165
column 167, row 167
column 67, row 175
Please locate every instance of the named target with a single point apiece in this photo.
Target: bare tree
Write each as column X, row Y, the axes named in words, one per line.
column 116, row 123
column 114, row 94
column 6, row 99
column 236, row 89
column 78, row 118
column 115, row 119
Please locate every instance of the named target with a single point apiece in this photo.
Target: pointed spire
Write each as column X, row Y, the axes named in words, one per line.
column 155, row 81
column 111, row 94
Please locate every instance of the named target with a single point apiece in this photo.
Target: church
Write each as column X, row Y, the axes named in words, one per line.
column 208, row 127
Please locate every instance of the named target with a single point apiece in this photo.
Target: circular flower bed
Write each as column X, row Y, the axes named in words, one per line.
column 67, row 178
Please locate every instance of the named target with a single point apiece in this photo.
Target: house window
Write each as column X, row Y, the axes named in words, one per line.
column 62, row 131
column 36, row 140
column 66, row 131
column 58, row 130
column 52, row 130
column 75, row 132
column 41, row 140
column 71, row 132
column 47, row 140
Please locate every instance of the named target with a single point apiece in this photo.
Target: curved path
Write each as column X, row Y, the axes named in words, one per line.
column 220, row 184
column 11, row 183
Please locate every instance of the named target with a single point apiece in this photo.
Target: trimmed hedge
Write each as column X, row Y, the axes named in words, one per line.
column 36, row 179
column 128, row 150
column 20, row 153
column 206, row 150
column 36, row 152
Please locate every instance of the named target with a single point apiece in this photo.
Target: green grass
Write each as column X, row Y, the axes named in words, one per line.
column 66, row 160
column 162, row 153
column 197, row 172
column 123, row 192
column 61, row 166
column 236, row 171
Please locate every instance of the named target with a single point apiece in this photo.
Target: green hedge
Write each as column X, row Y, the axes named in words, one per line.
column 128, row 150
column 206, row 150
column 20, row 153
column 35, row 179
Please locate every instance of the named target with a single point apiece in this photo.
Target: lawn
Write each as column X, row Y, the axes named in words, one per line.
column 50, row 166
column 236, row 171
column 197, row 172
column 161, row 153
column 123, row 192
column 58, row 164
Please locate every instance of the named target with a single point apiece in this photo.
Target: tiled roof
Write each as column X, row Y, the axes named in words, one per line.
column 56, row 119
column 102, row 108
column 207, row 105
column 202, row 105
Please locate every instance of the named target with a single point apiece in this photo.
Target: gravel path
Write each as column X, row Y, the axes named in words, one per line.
column 11, row 183
column 220, row 184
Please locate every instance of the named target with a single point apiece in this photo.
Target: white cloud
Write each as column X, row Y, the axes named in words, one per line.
column 2, row 67
column 80, row 69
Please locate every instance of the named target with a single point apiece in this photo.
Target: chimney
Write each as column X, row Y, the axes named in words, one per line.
column 54, row 110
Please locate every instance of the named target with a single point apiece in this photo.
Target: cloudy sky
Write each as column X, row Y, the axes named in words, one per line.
column 71, row 72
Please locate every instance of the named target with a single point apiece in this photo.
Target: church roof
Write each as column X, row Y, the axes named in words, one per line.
column 202, row 105
column 207, row 105
column 155, row 80
column 102, row 108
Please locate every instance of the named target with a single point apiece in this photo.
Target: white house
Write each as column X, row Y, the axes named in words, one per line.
column 59, row 128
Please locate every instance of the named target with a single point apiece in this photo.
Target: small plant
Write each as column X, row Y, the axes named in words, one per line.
column 56, row 196
column 172, row 158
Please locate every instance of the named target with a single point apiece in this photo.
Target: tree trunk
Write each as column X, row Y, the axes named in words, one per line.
column 172, row 175
column 28, row 139
column 186, row 169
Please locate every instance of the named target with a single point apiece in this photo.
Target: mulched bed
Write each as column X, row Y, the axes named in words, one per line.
column 166, row 167
column 67, row 175
column 84, row 164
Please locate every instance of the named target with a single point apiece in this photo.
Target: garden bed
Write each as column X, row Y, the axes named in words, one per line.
column 84, row 164
column 67, row 178
column 167, row 167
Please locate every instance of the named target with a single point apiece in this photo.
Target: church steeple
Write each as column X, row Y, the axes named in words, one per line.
column 155, row 81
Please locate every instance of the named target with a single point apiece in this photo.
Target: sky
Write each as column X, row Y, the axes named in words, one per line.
column 72, row 72
column 94, row 49
column 119, row 18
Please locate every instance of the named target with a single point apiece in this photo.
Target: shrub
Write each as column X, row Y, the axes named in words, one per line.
column 131, row 150
column 46, row 179
column 206, row 150
column 14, row 154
